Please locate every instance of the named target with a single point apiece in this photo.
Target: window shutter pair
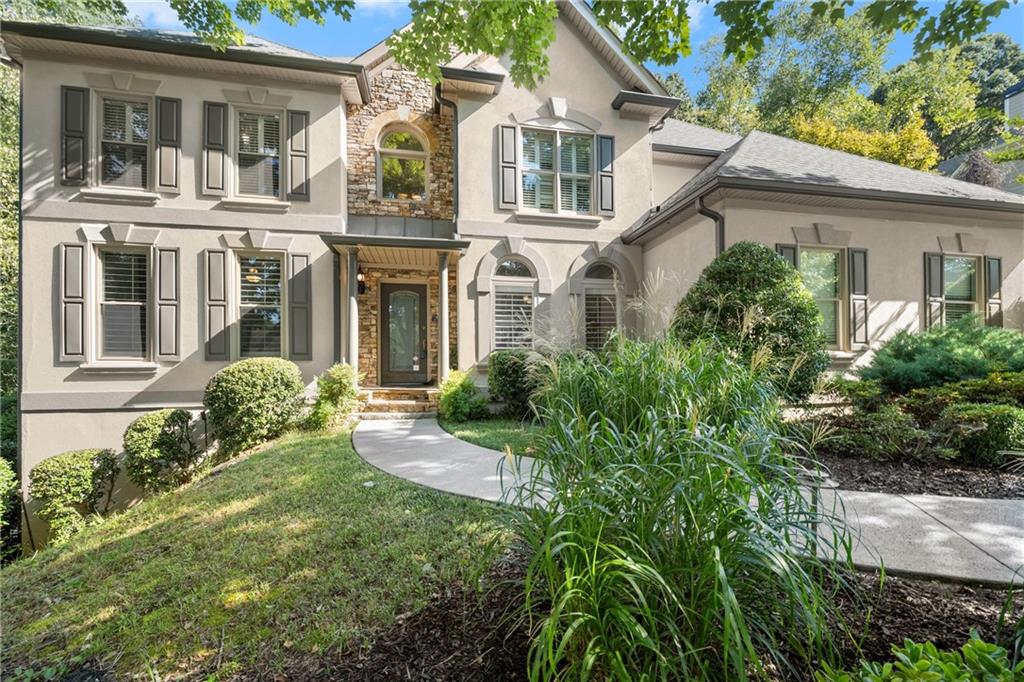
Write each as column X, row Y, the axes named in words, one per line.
column 857, row 274
column 508, row 171
column 934, row 289
column 74, row 302
column 216, row 328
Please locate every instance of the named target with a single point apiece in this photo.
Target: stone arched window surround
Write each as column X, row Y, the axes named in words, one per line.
column 424, row 141
column 518, row 248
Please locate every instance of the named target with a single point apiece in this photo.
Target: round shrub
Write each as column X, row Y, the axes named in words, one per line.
column 884, row 434
column 512, row 378
column 966, row 349
column 67, row 486
column 8, row 486
column 979, row 431
column 336, row 397
column 251, row 401
column 751, row 302
column 459, row 399
column 159, row 450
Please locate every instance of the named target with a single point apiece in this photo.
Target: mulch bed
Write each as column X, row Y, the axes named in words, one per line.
column 923, row 478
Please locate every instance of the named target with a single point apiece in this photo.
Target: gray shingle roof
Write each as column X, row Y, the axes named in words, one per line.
column 688, row 135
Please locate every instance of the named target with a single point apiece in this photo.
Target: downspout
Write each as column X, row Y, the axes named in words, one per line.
column 455, row 151
column 719, row 223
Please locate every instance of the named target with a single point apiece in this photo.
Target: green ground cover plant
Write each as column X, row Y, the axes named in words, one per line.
column 263, row 570
column 672, row 545
column 755, row 305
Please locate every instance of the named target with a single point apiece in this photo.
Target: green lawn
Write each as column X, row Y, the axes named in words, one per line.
column 497, row 434
column 301, row 551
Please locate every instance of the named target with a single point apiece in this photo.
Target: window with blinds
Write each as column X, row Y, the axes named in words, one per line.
column 513, row 319
column 538, row 169
column 124, row 144
column 574, row 172
column 260, row 321
column 960, row 287
column 259, row 154
column 601, row 318
column 557, row 171
column 125, row 284
column 820, row 269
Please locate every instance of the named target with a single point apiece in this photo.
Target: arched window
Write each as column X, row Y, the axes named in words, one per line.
column 514, row 299
column 401, row 165
column 601, row 302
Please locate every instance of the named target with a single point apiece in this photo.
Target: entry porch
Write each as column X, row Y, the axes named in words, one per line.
column 397, row 310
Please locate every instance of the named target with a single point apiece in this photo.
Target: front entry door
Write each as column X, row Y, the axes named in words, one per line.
column 403, row 334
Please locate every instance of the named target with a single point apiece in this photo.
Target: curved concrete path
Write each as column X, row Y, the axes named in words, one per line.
column 954, row 538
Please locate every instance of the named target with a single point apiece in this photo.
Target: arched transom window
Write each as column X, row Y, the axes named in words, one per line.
column 515, row 287
column 401, row 165
column 601, row 302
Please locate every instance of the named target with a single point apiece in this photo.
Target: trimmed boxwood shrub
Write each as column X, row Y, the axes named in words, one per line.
column 1003, row 388
column 459, row 399
column 8, row 486
column 512, row 378
column 979, row 432
column 68, row 486
column 749, row 301
column 251, row 401
column 336, row 397
column 963, row 350
column 159, row 450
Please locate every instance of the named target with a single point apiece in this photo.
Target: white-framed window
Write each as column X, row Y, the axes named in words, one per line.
column 125, row 134
column 261, row 300
column 258, row 136
column 822, row 271
column 959, row 287
column 402, row 165
column 124, row 304
column 515, row 297
column 601, row 304
column 557, row 173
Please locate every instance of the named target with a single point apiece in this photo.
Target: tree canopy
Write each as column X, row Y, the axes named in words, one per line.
column 652, row 31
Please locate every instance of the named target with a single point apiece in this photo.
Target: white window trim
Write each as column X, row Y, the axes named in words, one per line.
column 843, row 311
column 233, row 125
column 556, row 174
column 424, row 156
column 978, row 302
column 96, row 351
column 97, row 151
column 235, row 272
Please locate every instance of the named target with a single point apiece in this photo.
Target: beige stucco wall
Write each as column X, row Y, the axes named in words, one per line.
column 672, row 171
column 44, row 197
column 573, row 62
column 896, row 236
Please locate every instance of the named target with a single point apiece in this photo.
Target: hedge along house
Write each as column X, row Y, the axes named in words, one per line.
column 183, row 208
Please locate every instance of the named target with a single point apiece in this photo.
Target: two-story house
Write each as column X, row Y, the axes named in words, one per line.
column 184, row 208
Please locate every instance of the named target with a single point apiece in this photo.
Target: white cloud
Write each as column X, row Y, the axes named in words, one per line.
column 696, row 12
column 384, row 8
column 155, row 13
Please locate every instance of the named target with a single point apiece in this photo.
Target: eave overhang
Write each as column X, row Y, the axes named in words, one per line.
column 341, row 241
column 471, row 81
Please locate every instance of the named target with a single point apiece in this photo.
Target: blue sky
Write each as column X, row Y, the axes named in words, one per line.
column 374, row 20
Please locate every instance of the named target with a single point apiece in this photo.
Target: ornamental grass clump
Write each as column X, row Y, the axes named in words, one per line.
column 674, row 541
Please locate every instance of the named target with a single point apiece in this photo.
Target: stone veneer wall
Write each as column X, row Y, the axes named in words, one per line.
column 399, row 96
column 369, row 318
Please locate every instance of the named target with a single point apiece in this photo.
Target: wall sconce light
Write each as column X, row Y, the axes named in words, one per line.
column 361, row 282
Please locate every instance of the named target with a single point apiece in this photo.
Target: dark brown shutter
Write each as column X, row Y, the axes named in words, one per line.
column 858, row 296
column 300, row 319
column 74, row 135
column 215, row 139
column 933, row 289
column 508, row 181
column 73, row 264
column 298, row 156
column 215, row 293
column 168, row 296
column 168, row 144
column 993, row 291
column 605, row 175
column 789, row 253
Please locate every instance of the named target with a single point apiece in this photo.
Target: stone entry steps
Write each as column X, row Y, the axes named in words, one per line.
column 397, row 403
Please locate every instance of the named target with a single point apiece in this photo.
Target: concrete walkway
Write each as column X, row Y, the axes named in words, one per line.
column 955, row 538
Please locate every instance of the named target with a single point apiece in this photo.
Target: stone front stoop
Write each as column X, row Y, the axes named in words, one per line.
column 397, row 403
